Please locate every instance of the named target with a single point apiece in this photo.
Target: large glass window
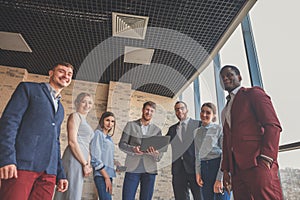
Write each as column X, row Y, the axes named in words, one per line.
column 290, row 174
column 277, row 39
column 276, row 34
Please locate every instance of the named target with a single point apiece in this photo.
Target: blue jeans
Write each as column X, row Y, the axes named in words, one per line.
column 131, row 182
column 209, row 171
column 101, row 188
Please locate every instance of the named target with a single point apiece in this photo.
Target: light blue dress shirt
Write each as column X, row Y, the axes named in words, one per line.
column 208, row 145
column 53, row 95
column 102, row 154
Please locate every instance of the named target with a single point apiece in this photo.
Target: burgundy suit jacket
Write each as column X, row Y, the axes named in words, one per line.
column 255, row 130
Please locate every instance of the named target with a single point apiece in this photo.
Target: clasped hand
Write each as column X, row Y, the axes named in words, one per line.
column 87, row 170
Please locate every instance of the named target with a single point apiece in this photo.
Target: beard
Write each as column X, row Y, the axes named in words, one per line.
column 56, row 82
column 147, row 117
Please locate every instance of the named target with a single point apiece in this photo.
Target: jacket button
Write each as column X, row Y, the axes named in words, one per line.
column 53, row 124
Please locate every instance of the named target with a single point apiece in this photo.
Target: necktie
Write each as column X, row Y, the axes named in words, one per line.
column 183, row 129
column 228, row 108
column 228, row 98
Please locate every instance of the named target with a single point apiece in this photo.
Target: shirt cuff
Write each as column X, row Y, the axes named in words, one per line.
column 266, row 157
column 99, row 167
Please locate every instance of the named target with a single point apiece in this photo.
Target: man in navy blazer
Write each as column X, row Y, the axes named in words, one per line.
column 183, row 154
column 251, row 140
column 30, row 159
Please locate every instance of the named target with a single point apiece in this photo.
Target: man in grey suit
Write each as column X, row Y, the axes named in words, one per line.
column 183, row 154
column 141, row 166
column 30, row 162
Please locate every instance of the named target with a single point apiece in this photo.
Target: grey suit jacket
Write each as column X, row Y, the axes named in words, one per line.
column 132, row 136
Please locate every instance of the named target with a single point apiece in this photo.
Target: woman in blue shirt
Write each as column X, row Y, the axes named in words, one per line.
column 102, row 155
column 208, row 151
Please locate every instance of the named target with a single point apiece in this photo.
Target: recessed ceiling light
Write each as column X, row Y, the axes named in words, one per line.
column 13, row 42
column 138, row 55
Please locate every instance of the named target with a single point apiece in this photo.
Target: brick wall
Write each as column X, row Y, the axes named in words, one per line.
column 117, row 97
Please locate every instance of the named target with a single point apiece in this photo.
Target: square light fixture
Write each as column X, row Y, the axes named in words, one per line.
column 129, row 26
column 138, row 55
column 13, row 42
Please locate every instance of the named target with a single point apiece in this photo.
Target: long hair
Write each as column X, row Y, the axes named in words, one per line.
column 101, row 122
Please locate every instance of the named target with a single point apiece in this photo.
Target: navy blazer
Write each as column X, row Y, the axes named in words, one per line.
column 183, row 153
column 30, row 130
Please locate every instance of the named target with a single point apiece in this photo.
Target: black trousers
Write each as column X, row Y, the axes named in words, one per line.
column 182, row 182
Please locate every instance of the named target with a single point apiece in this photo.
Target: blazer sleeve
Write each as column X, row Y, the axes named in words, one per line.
column 160, row 153
column 172, row 131
column 267, row 118
column 10, row 122
column 60, row 174
column 124, row 140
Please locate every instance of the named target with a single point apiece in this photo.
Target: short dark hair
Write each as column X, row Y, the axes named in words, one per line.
column 234, row 68
column 66, row 64
column 101, row 121
column 149, row 103
column 177, row 102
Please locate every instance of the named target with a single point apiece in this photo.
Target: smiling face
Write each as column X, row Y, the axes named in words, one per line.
column 181, row 111
column 60, row 77
column 230, row 79
column 147, row 113
column 84, row 105
column 206, row 115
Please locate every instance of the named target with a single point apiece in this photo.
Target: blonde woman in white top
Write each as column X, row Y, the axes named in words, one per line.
column 76, row 158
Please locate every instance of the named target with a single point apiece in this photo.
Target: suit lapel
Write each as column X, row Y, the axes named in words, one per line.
column 189, row 136
column 174, row 132
column 236, row 104
column 47, row 92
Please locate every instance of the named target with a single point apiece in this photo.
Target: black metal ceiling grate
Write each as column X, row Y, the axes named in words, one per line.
column 183, row 34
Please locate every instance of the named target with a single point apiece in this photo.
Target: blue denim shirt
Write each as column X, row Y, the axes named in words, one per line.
column 102, row 154
column 208, row 145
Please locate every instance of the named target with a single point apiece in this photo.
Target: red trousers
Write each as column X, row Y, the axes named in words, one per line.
column 28, row 186
column 257, row 183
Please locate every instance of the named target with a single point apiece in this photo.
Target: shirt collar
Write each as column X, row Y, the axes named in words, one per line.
column 53, row 92
column 208, row 125
column 186, row 121
column 107, row 136
column 236, row 90
column 140, row 122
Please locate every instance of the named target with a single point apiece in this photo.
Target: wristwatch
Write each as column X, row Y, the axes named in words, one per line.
column 266, row 159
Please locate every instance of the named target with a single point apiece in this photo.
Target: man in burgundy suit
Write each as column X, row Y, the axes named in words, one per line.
column 251, row 141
